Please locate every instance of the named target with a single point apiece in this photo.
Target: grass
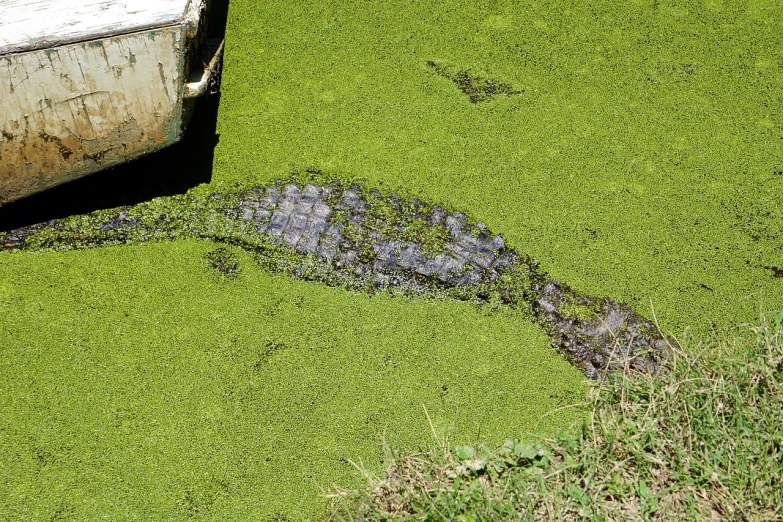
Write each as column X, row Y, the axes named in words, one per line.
column 641, row 159
column 702, row 442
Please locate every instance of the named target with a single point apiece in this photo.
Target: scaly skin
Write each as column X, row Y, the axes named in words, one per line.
column 346, row 235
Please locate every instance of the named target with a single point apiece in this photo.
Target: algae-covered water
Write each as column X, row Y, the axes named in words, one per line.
column 635, row 149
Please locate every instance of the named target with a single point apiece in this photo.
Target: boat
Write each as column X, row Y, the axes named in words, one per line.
column 89, row 84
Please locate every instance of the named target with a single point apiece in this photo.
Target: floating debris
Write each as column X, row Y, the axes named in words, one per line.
column 476, row 87
column 365, row 240
column 223, row 261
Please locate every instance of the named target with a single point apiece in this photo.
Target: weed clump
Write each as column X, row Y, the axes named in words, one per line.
column 700, row 442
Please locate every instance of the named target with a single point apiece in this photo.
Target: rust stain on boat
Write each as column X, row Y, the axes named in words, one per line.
column 75, row 109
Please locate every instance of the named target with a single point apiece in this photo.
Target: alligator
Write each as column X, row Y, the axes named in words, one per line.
column 344, row 234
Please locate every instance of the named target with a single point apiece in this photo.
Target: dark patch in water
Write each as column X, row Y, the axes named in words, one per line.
column 476, row 87
column 777, row 272
column 270, row 349
column 224, row 261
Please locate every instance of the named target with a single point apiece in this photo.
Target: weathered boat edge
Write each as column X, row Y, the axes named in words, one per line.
column 83, row 107
column 27, row 25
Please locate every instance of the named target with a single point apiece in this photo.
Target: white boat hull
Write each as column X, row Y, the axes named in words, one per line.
column 70, row 110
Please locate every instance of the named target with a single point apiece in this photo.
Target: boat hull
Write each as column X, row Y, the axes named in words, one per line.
column 74, row 108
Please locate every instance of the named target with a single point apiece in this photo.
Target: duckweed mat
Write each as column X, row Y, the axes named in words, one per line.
column 193, row 395
column 641, row 161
